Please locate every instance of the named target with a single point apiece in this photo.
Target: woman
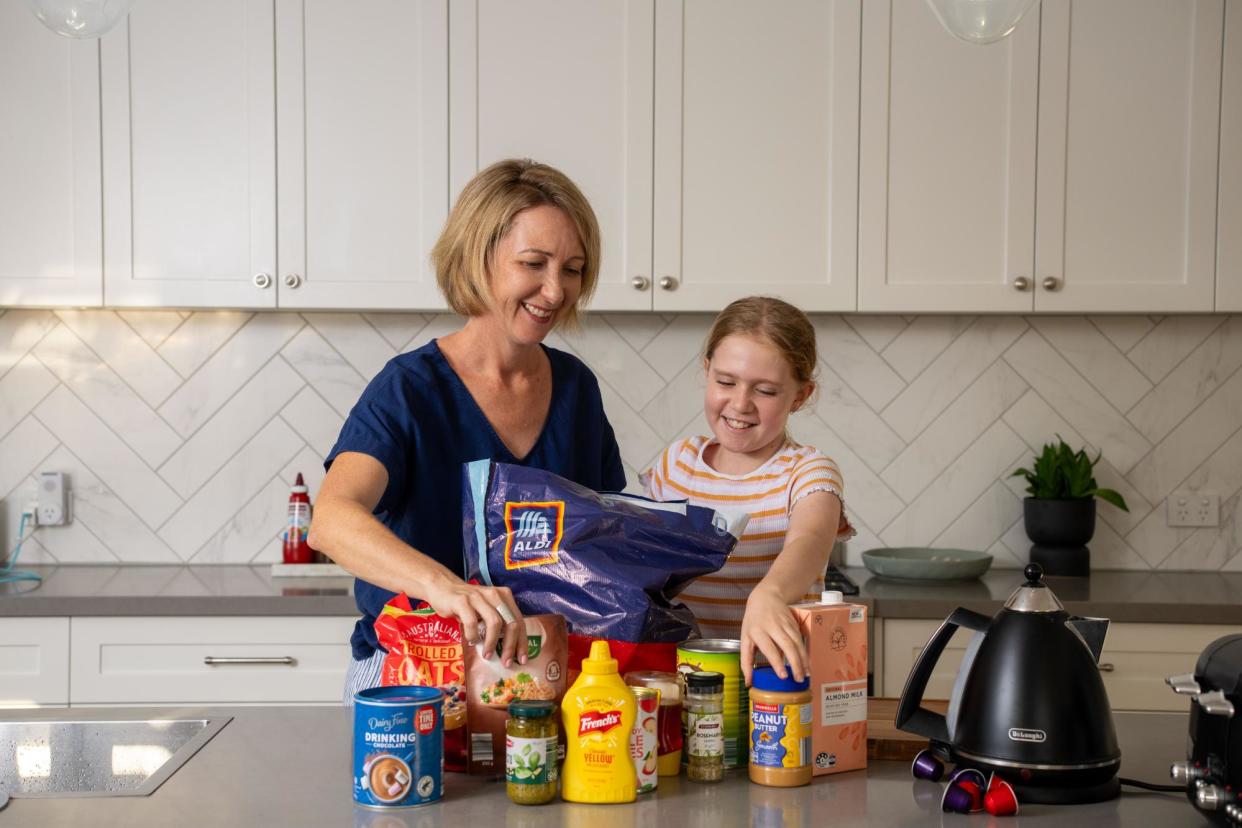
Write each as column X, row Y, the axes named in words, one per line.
column 519, row 253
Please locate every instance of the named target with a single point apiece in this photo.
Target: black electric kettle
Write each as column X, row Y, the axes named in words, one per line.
column 1028, row 702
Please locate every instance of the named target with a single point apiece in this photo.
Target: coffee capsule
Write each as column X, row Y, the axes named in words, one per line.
column 975, row 791
column 927, row 766
column 956, row 800
column 1000, row 800
column 973, row 774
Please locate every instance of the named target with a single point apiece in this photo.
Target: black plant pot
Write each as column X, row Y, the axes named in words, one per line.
column 1068, row 522
column 1060, row 530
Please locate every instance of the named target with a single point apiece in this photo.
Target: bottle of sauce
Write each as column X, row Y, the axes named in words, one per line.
column 296, row 549
column 704, row 712
column 668, row 720
column 780, row 729
column 598, row 713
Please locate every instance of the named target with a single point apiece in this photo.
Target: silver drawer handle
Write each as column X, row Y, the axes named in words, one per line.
column 212, row 661
column 1107, row 667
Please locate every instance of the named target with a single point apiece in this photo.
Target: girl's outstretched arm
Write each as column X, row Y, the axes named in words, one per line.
column 768, row 624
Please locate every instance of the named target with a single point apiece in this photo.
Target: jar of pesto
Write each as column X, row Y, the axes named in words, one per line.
column 530, row 752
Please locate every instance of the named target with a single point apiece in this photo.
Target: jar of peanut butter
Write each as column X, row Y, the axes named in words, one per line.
column 780, row 729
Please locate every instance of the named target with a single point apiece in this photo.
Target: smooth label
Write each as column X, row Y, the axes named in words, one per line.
column 780, row 735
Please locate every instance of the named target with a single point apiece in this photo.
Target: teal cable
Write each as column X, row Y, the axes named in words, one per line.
column 9, row 575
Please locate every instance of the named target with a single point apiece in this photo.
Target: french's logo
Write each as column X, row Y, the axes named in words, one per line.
column 593, row 722
column 533, row 533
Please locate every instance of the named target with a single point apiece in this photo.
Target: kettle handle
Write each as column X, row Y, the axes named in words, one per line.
column 911, row 716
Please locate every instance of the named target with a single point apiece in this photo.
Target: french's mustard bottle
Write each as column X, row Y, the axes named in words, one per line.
column 598, row 712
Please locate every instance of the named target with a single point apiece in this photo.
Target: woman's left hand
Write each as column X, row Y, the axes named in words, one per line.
column 771, row 627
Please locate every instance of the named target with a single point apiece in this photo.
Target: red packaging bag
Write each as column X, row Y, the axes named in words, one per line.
column 424, row 649
column 630, row 656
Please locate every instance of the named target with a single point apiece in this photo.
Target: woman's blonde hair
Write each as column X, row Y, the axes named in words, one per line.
column 482, row 216
column 775, row 320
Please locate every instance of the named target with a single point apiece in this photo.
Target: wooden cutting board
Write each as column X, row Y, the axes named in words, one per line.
column 884, row 741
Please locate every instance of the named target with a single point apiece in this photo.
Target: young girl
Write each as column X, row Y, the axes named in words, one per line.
column 760, row 362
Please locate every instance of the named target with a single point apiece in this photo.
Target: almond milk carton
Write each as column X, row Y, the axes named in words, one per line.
column 836, row 638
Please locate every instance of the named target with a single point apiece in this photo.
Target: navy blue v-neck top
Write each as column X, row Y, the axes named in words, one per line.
column 418, row 418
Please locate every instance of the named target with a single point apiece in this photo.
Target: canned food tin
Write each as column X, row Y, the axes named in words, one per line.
column 721, row 655
column 644, row 739
column 398, row 746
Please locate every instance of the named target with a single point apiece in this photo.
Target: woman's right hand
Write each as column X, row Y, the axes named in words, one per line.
column 481, row 609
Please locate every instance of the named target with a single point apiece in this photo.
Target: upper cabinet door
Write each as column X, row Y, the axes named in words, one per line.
column 1128, row 130
column 362, row 91
column 756, row 147
column 1229, row 221
column 569, row 84
column 50, row 221
column 947, row 165
column 189, row 155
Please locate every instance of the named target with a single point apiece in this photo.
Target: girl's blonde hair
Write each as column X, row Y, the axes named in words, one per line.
column 775, row 320
column 482, row 216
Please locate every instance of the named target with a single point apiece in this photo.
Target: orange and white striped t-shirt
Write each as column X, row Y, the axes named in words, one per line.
column 768, row 493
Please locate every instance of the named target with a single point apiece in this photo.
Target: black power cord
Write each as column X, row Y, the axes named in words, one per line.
column 1150, row 786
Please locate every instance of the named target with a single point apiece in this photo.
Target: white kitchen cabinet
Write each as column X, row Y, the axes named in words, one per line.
column 221, row 659
column 51, row 225
column 189, row 156
column 1128, row 132
column 34, row 662
column 1119, row 211
column 362, row 126
column 569, row 84
column 1229, row 218
column 756, row 147
column 191, row 98
column 946, row 165
column 1134, row 663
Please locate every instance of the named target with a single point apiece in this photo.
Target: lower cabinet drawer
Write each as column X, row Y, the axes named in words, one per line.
column 1135, row 661
column 217, row 659
column 34, row 662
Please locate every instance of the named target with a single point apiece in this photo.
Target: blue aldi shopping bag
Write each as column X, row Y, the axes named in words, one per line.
column 611, row 564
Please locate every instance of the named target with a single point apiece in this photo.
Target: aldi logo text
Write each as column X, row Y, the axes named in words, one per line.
column 533, row 533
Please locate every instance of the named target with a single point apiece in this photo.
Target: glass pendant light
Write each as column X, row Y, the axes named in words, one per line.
column 81, row 19
column 980, row 21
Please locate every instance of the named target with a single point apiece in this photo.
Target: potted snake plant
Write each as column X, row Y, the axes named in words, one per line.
column 1060, row 511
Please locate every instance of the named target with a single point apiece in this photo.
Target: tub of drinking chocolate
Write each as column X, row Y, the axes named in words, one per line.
column 398, row 746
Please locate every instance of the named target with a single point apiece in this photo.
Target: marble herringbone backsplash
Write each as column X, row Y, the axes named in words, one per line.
column 181, row 432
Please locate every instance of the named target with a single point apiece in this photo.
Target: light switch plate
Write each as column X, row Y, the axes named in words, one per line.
column 1194, row 509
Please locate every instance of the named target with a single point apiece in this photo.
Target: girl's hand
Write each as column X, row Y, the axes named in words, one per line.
column 477, row 606
column 770, row 626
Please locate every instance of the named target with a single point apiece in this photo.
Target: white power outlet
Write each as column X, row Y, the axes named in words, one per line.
column 1194, row 509
column 53, row 506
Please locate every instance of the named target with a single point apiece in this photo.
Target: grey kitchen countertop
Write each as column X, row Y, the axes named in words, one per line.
column 1122, row 596
column 291, row 766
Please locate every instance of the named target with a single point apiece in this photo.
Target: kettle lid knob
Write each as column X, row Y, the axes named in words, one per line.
column 1034, row 575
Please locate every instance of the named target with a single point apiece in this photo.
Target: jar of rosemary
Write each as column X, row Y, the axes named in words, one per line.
column 704, row 715
column 530, row 752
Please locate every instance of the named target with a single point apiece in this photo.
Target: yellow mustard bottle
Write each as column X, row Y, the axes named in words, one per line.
column 598, row 712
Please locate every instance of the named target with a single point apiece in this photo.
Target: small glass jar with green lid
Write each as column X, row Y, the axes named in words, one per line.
column 530, row 752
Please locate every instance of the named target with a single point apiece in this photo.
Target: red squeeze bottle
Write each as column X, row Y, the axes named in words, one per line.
column 296, row 549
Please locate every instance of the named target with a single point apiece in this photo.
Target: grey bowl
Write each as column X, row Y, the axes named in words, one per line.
column 916, row 563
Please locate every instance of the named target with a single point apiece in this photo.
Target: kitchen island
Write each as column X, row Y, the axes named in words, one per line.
column 290, row 766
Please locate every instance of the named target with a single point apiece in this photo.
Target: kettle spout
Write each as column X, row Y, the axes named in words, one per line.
column 1091, row 631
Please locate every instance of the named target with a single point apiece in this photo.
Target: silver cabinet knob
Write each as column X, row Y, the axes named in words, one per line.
column 262, row 280
column 668, row 283
column 1051, row 283
column 640, row 282
column 292, row 280
column 1021, row 283
column 1106, row 668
